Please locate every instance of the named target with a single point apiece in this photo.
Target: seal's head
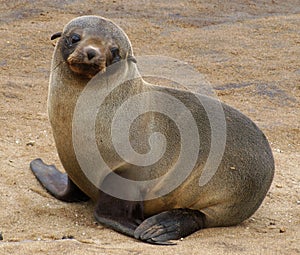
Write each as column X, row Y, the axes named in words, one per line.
column 89, row 44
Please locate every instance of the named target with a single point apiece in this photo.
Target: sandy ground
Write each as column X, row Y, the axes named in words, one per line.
column 248, row 50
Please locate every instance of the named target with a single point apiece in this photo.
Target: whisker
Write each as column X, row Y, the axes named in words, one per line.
column 57, row 65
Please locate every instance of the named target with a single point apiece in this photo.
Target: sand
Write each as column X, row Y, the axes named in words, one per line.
column 248, row 50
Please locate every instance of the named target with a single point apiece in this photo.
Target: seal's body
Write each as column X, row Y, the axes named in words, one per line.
column 88, row 46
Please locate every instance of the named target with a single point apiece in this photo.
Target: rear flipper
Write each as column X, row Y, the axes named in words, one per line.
column 56, row 183
column 169, row 225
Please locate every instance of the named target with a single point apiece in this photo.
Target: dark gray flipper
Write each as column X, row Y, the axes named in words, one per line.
column 127, row 217
column 57, row 183
column 169, row 225
column 121, row 215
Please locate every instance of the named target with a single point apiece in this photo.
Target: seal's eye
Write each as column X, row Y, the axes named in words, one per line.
column 114, row 51
column 115, row 54
column 75, row 38
column 72, row 39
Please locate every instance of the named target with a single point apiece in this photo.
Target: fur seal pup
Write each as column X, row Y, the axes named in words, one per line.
column 86, row 48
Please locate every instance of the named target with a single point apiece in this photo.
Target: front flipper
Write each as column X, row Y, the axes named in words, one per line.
column 169, row 225
column 121, row 215
column 56, row 183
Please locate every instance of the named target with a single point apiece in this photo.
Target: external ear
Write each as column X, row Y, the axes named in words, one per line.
column 56, row 35
column 132, row 58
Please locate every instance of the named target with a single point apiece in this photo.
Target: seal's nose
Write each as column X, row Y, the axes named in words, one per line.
column 91, row 53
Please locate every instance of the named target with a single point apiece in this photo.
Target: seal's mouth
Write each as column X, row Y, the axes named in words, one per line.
column 87, row 61
column 87, row 70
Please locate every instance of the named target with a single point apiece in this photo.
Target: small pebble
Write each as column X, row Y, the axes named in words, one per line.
column 282, row 230
column 298, row 202
column 68, row 237
column 30, row 143
column 1, row 236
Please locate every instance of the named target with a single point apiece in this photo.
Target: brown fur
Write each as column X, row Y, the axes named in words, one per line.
column 230, row 197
